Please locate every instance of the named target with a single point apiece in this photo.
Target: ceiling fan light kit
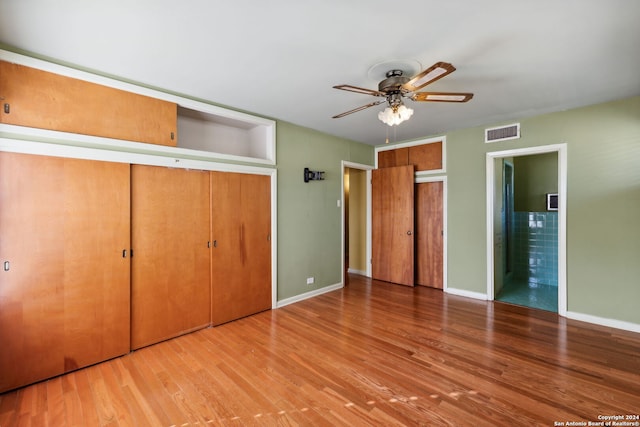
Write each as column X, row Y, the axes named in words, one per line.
column 396, row 86
column 395, row 116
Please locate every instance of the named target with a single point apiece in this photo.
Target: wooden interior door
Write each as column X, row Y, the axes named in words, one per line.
column 429, row 234
column 392, row 206
column 170, row 287
column 64, row 286
column 241, row 256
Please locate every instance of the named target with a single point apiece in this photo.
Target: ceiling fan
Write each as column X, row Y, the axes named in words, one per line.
column 397, row 86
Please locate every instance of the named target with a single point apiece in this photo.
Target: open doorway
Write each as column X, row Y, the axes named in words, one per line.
column 526, row 237
column 356, row 219
column 526, row 260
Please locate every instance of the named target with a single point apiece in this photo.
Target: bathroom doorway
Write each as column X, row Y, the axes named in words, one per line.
column 526, row 235
column 528, row 259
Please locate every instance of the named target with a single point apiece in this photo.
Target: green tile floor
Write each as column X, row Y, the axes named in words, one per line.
column 534, row 295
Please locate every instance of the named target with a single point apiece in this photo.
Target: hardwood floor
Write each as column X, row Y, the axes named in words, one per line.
column 369, row 354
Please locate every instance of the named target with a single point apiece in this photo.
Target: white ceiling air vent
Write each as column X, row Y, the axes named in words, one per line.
column 502, row 133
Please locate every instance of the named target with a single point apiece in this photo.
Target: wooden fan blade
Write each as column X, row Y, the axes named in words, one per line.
column 360, row 90
column 355, row 110
column 430, row 75
column 441, row 97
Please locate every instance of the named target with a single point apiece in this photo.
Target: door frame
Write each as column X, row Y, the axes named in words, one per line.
column 561, row 149
column 368, row 169
column 440, row 178
column 509, row 204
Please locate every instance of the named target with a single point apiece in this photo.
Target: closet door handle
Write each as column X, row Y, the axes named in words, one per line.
column 409, row 233
column 6, row 266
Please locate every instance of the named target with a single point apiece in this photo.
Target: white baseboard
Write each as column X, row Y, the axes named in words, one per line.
column 603, row 321
column 464, row 293
column 353, row 271
column 307, row 295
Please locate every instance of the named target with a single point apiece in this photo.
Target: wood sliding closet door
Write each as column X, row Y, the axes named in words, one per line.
column 392, row 224
column 31, row 292
column 97, row 274
column 46, row 100
column 429, row 234
column 241, row 254
column 64, row 286
column 170, row 286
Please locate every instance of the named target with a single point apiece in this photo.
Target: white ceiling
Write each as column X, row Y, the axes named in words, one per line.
column 280, row 58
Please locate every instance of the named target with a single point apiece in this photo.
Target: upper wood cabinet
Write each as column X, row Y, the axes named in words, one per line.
column 427, row 156
column 39, row 99
column 44, row 100
column 393, row 158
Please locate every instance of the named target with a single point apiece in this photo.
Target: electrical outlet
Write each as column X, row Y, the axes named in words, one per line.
column 310, row 280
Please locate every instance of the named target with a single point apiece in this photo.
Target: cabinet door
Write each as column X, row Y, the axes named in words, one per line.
column 170, row 287
column 241, row 256
column 64, row 288
column 429, row 234
column 392, row 225
column 426, row 157
column 45, row 100
column 392, row 158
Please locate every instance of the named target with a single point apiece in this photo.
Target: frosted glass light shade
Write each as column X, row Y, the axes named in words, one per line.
column 391, row 117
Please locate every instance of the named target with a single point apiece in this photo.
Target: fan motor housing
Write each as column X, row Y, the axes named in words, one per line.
column 392, row 83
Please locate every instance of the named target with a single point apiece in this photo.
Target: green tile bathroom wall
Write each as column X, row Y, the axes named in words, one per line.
column 536, row 247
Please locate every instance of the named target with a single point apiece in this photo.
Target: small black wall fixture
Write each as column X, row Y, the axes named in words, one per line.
column 310, row 175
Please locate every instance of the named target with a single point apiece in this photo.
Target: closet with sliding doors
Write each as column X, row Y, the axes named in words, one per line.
column 407, row 213
column 119, row 226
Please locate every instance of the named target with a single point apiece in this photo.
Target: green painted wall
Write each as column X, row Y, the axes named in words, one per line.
column 309, row 219
column 534, row 177
column 603, row 204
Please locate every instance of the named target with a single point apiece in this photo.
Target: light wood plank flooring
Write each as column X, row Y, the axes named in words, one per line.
column 370, row 354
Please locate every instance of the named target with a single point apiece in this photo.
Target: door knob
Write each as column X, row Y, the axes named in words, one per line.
column 409, row 233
